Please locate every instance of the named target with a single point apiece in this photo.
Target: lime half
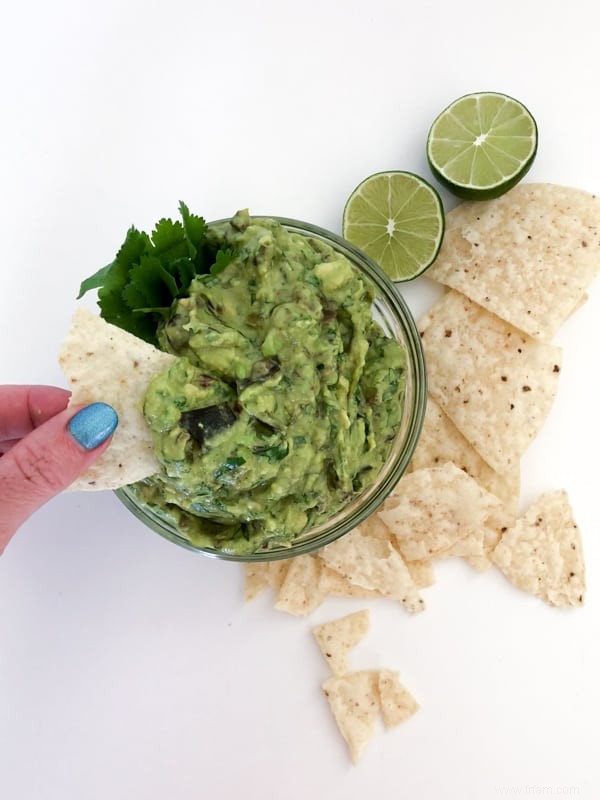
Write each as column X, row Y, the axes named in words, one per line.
column 482, row 145
column 397, row 219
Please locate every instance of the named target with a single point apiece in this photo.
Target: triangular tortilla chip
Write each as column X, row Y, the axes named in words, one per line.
column 441, row 441
column 338, row 637
column 397, row 703
column 354, row 701
column 527, row 256
column 103, row 362
column 300, row 592
column 495, row 383
column 441, row 512
column 373, row 563
column 542, row 553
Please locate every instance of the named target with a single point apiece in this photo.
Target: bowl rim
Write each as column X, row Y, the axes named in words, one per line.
column 396, row 463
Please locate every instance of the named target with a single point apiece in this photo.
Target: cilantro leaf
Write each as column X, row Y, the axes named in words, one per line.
column 222, row 259
column 194, row 229
column 169, row 241
column 94, row 281
column 150, row 272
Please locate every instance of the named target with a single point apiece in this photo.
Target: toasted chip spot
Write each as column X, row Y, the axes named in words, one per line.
column 542, row 554
column 338, row 637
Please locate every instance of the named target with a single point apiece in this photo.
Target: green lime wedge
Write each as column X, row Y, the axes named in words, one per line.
column 397, row 219
column 482, row 145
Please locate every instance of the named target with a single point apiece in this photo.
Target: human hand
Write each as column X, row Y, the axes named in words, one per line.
column 44, row 446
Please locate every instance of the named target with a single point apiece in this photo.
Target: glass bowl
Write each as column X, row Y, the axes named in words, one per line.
column 394, row 317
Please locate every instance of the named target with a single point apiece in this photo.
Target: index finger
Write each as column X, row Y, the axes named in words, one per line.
column 23, row 408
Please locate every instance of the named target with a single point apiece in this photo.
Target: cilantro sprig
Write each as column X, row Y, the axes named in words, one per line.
column 150, row 271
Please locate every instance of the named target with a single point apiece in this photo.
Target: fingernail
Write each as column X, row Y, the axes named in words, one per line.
column 93, row 425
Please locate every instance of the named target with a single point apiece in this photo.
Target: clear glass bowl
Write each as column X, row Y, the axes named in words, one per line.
column 392, row 313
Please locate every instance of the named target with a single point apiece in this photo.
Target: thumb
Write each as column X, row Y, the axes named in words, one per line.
column 48, row 460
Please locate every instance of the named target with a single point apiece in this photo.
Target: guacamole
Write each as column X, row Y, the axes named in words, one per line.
column 285, row 398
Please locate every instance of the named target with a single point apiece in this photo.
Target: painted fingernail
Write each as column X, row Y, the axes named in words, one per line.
column 93, row 425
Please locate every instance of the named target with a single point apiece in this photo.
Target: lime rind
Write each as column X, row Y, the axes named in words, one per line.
column 397, row 219
column 482, row 144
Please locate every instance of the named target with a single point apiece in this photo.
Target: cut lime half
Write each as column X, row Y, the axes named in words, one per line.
column 482, row 145
column 397, row 219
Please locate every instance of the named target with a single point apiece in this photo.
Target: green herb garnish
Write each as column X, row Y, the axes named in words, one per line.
column 150, row 271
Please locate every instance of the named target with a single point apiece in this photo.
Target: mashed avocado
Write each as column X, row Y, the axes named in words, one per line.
column 286, row 396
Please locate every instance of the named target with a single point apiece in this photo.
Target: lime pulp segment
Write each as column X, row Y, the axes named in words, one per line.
column 482, row 145
column 397, row 219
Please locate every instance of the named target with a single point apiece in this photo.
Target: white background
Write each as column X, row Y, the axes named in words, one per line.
column 130, row 668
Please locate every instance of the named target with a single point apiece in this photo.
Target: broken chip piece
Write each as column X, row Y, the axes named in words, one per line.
column 542, row 553
column 338, row 637
column 397, row 703
column 354, row 702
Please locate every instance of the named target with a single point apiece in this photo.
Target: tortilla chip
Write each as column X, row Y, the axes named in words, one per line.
column 256, row 579
column 397, row 703
column 422, row 573
column 260, row 575
column 103, row 362
column 300, row 591
column 373, row 563
column 496, row 384
column 441, row 512
column 338, row 637
column 473, row 550
column 441, row 441
column 277, row 572
column 527, row 256
column 542, row 554
column 333, row 584
column 354, row 701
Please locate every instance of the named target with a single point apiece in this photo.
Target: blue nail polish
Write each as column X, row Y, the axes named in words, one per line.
column 93, row 425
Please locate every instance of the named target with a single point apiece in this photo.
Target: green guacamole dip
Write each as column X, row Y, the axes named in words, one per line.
column 285, row 399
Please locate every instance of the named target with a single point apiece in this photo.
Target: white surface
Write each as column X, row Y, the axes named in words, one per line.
column 130, row 668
